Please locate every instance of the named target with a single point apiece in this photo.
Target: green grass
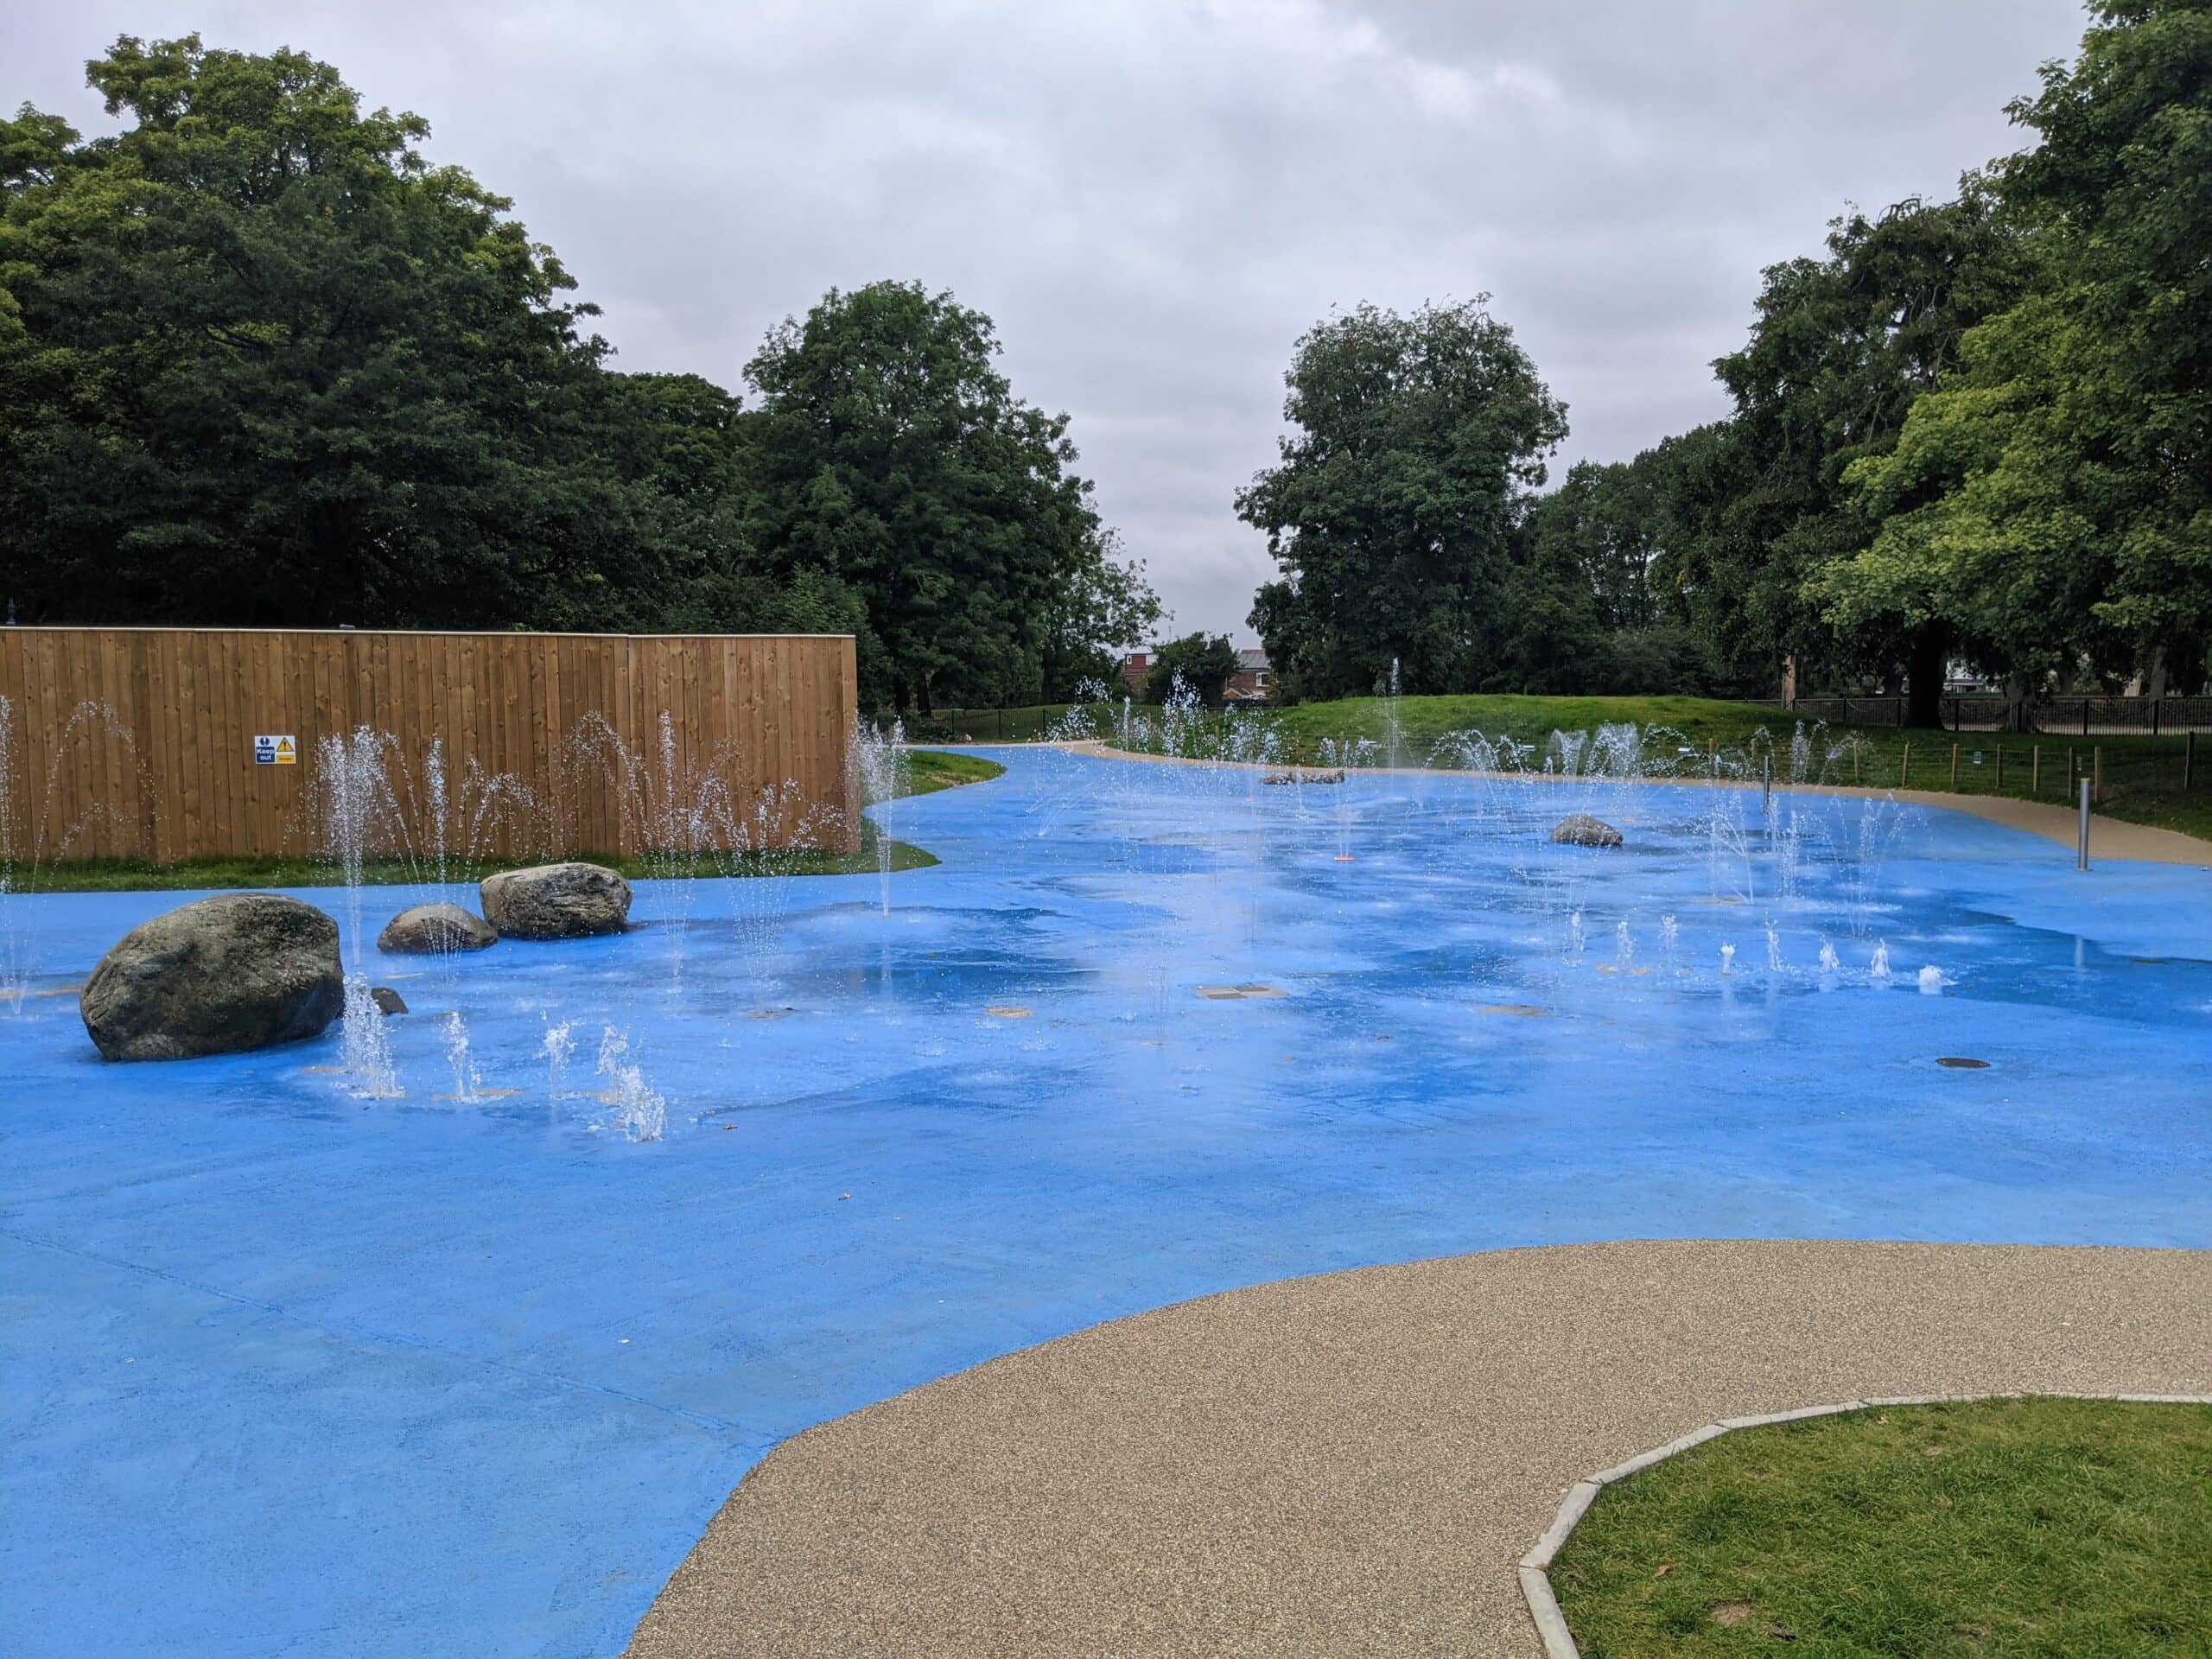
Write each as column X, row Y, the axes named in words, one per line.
column 2001, row 1529
column 927, row 772
column 1526, row 720
column 930, row 770
column 2142, row 777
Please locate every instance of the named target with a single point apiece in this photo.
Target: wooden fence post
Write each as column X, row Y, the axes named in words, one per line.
column 1904, row 766
column 1954, row 768
column 2035, row 769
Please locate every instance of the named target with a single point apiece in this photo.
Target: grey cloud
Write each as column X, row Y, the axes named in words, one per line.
column 1155, row 200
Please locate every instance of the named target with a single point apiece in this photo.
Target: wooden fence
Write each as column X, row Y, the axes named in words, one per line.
column 170, row 743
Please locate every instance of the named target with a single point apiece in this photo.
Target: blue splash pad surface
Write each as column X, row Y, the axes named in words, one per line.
column 282, row 1373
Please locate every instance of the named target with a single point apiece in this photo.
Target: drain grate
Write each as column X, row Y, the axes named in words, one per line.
column 1959, row 1063
column 1238, row 993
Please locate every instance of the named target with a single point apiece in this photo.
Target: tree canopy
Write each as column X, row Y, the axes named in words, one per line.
column 261, row 362
column 1202, row 664
column 2050, row 499
column 1976, row 430
column 1391, row 513
column 891, row 454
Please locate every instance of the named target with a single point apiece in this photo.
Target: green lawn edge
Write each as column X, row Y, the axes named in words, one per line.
column 2010, row 1529
column 927, row 771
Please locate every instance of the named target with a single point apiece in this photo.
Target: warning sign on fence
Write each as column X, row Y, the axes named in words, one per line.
column 276, row 751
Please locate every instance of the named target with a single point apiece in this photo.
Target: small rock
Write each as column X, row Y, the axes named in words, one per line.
column 423, row 929
column 556, row 901
column 1580, row 829
column 242, row 970
column 387, row 999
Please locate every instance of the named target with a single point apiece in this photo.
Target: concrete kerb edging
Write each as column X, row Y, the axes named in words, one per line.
column 1536, row 1565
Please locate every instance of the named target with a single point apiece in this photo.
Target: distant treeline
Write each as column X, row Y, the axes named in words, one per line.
column 262, row 364
column 1974, row 431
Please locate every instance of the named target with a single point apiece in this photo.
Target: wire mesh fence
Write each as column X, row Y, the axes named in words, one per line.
column 2084, row 717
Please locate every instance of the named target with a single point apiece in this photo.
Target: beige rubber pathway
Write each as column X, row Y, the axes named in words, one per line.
column 1351, row 1464
column 2109, row 839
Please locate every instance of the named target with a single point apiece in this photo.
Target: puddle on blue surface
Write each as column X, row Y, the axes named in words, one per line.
column 287, row 1372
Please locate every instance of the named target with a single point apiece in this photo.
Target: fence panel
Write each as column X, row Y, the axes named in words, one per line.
column 144, row 742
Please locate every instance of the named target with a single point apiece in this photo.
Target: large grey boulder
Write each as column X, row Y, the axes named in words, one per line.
column 421, row 929
column 1580, row 829
column 556, row 901
column 239, row 971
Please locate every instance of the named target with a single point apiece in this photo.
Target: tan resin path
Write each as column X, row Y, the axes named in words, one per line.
column 1352, row 1465
column 2112, row 838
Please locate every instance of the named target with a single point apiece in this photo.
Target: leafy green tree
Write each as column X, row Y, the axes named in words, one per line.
column 1588, row 610
column 1202, row 662
column 1392, row 512
column 1099, row 604
column 2053, row 500
column 891, row 454
column 1581, row 577
column 1842, row 347
column 261, row 362
column 1608, row 523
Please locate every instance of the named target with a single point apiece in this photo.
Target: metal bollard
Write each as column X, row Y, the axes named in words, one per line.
column 2082, row 859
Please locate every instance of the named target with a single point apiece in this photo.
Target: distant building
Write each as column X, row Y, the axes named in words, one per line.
column 1253, row 683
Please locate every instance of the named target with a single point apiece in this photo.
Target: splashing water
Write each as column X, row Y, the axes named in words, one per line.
column 1727, row 961
column 465, row 1083
column 356, row 793
column 558, row 1045
column 1831, row 963
column 878, row 764
column 639, row 1110
column 15, row 980
column 1878, row 969
column 364, row 1045
column 1932, row 981
column 1670, row 938
column 1393, row 731
column 1624, row 946
column 1775, row 965
column 1575, row 938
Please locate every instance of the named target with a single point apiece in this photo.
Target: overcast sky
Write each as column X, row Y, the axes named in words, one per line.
column 1154, row 198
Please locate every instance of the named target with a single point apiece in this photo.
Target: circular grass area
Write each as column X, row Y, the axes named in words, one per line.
column 2034, row 1528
